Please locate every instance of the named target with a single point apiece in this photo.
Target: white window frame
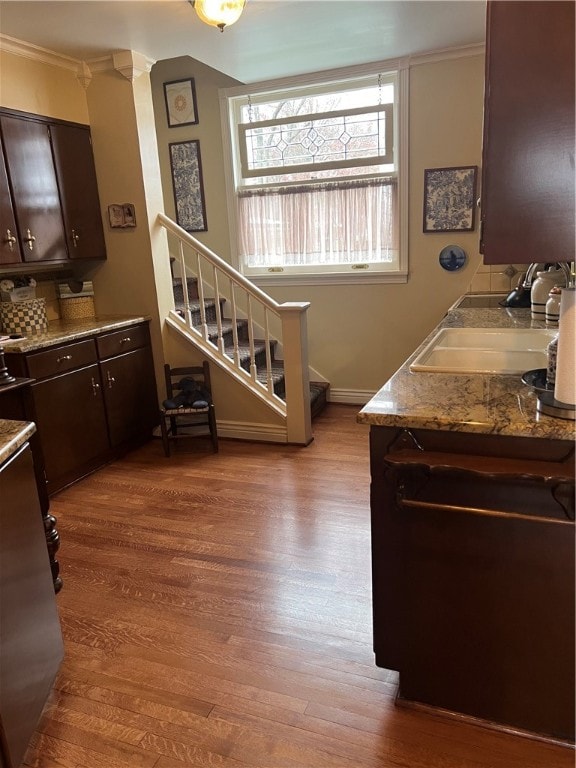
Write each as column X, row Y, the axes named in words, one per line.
column 316, row 276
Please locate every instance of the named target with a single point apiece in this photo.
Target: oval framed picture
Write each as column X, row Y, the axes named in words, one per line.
column 452, row 258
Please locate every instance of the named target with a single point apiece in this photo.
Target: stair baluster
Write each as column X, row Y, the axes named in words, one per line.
column 234, row 324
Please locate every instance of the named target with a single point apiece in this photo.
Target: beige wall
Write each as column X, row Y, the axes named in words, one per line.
column 359, row 335
column 42, row 89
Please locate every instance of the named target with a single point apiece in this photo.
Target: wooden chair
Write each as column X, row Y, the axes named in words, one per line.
column 182, row 414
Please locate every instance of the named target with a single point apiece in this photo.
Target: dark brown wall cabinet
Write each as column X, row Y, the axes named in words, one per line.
column 35, row 197
column 30, row 634
column 528, row 152
column 50, row 211
column 93, row 399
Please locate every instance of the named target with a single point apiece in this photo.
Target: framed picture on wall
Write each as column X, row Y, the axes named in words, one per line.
column 450, row 199
column 188, row 186
column 180, row 97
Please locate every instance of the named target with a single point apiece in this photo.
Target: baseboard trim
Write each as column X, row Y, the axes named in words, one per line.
column 262, row 433
column 350, row 396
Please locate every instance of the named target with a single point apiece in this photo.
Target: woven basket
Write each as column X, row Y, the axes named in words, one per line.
column 23, row 316
column 79, row 308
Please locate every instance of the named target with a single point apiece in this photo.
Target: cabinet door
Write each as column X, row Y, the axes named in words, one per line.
column 130, row 396
column 72, row 425
column 10, row 252
column 528, row 152
column 74, row 162
column 30, row 635
column 34, row 188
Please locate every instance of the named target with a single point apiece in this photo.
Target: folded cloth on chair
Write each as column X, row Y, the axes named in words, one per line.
column 191, row 395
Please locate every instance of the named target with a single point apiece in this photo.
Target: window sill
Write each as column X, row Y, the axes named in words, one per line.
column 363, row 278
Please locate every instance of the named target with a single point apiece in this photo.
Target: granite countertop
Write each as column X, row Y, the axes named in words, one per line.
column 13, row 434
column 62, row 331
column 478, row 403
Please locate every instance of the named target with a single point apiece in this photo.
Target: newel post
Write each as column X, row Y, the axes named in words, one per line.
column 295, row 344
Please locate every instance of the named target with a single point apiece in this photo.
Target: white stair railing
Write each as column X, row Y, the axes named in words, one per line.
column 248, row 360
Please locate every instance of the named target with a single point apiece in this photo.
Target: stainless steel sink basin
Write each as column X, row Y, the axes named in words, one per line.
column 485, row 350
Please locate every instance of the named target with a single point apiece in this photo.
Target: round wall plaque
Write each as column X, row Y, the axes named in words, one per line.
column 452, row 258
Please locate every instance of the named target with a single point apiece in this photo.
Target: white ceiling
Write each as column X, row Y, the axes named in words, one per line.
column 273, row 38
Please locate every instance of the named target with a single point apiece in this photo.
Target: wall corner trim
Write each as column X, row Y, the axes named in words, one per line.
column 131, row 64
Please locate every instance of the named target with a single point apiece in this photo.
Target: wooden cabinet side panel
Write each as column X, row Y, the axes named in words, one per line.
column 528, row 154
column 30, row 635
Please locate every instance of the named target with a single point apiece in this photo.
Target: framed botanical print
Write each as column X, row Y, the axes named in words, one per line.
column 180, row 97
column 188, row 185
column 450, row 199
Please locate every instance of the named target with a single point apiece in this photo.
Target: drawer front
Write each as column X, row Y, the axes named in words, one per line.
column 110, row 344
column 62, row 359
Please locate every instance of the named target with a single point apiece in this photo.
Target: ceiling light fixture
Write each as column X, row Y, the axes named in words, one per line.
column 218, row 13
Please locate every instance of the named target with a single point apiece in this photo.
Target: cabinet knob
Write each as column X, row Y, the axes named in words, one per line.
column 95, row 387
column 110, row 379
column 10, row 239
column 30, row 239
column 75, row 238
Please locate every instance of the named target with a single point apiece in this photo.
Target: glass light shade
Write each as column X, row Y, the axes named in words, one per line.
column 219, row 13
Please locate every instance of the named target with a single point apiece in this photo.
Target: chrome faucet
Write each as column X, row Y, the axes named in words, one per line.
column 533, row 268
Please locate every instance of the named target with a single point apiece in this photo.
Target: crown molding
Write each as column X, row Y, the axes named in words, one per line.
column 36, row 53
column 477, row 49
column 130, row 64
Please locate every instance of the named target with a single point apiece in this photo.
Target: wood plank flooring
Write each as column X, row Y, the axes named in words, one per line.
column 216, row 611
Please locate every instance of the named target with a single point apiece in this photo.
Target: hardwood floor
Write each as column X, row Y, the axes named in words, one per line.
column 216, row 612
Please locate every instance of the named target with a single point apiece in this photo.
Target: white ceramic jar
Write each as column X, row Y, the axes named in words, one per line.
column 553, row 307
column 540, row 291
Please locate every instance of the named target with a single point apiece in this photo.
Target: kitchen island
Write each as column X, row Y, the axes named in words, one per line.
column 472, row 510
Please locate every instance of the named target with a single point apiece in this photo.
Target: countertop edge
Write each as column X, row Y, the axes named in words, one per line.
column 13, row 434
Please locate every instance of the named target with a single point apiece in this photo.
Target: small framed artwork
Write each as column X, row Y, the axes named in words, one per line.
column 188, row 185
column 450, row 199
column 122, row 215
column 180, row 97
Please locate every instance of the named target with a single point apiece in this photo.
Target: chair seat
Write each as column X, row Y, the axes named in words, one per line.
column 182, row 411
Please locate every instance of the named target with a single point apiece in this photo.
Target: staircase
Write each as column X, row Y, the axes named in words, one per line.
column 243, row 350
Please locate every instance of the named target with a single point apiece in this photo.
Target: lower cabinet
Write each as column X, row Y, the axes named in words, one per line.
column 131, row 406
column 92, row 400
column 30, row 635
column 71, row 421
column 473, row 568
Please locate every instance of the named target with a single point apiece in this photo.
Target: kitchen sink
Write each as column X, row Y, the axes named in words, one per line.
column 485, row 350
column 480, row 301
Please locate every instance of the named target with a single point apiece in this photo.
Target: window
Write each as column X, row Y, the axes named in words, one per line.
column 316, row 178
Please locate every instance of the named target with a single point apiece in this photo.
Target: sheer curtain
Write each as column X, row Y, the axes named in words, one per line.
column 327, row 224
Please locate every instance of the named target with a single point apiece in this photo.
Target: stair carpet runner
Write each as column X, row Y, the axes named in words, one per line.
column 318, row 389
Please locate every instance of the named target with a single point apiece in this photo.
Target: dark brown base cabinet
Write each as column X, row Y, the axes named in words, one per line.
column 93, row 400
column 473, row 575
column 30, row 635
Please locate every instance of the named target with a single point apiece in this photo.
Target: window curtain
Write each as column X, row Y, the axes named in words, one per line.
column 337, row 223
